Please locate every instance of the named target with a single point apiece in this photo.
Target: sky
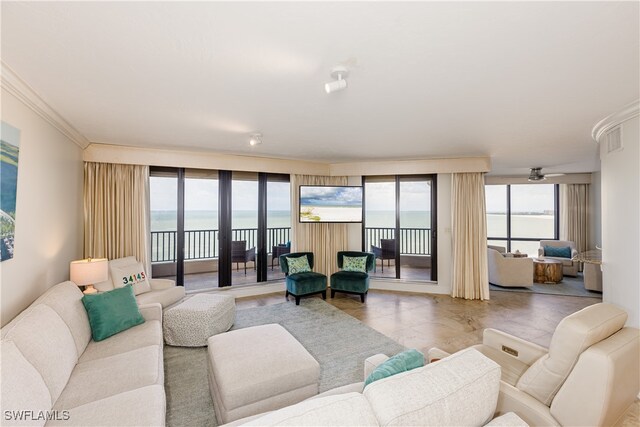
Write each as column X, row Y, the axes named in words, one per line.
column 524, row 198
column 201, row 194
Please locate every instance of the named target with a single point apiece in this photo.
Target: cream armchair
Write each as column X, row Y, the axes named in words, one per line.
column 163, row 291
column 569, row 267
column 588, row 376
column 509, row 272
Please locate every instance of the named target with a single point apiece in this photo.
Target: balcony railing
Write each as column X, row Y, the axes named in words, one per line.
column 413, row 241
column 203, row 244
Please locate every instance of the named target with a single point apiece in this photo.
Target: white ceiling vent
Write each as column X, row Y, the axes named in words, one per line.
column 614, row 140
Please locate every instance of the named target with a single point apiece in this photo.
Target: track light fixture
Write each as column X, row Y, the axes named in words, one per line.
column 255, row 139
column 339, row 74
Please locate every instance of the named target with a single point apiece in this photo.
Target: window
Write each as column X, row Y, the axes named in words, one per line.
column 519, row 216
column 399, row 220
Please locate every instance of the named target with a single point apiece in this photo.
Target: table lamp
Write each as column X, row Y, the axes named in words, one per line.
column 86, row 272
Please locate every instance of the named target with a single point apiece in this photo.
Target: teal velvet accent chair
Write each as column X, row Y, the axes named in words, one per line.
column 303, row 284
column 352, row 282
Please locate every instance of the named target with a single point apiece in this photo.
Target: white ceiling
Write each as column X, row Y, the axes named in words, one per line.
column 521, row 82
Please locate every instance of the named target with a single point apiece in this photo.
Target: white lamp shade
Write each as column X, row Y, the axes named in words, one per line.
column 89, row 271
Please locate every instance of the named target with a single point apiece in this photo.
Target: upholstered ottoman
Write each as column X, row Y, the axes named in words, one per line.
column 258, row 369
column 191, row 323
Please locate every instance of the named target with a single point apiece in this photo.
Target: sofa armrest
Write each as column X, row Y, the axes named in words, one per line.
column 574, row 253
column 159, row 284
column 372, row 363
column 525, row 351
column 510, row 419
column 151, row 311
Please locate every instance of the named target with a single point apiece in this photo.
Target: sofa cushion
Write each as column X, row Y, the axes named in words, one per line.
column 166, row 297
column 132, row 274
column 461, row 389
column 21, row 385
column 112, row 312
column 573, row 335
column 350, row 409
column 144, row 406
column 66, row 300
column 149, row 333
column 401, row 362
column 112, row 375
column 558, row 252
column 36, row 335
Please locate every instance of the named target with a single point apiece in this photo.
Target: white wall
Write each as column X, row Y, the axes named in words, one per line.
column 49, row 214
column 620, row 222
column 595, row 211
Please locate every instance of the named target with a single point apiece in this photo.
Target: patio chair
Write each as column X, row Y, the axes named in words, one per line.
column 304, row 283
column 276, row 251
column 387, row 250
column 240, row 253
column 352, row 282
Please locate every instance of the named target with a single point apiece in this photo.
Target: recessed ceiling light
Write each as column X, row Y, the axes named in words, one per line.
column 255, row 139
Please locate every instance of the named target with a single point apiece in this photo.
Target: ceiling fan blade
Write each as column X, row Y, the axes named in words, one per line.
column 551, row 175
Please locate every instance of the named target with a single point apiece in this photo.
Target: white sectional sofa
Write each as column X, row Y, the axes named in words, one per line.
column 163, row 291
column 460, row 390
column 52, row 367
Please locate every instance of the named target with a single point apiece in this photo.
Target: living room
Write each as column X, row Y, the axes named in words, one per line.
column 222, row 110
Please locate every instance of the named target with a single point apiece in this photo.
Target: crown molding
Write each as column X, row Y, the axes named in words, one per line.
column 627, row 112
column 13, row 84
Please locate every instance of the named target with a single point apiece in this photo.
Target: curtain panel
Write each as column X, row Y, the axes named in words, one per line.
column 324, row 240
column 469, row 228
column 116, row 212
column 574, row 212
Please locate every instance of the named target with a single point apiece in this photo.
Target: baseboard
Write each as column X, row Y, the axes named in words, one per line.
column 247, row 290
column 408, row 286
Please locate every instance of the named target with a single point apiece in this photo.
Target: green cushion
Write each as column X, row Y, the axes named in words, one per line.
column 112, row 312
column 401, row 362
column 298, row 264
column 358, row 263
column 558, row 252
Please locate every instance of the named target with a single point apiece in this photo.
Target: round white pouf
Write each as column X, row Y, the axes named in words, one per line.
column 191, row 323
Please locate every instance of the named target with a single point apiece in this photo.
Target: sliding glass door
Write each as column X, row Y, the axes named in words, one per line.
column 399, row 226
column 218, row 228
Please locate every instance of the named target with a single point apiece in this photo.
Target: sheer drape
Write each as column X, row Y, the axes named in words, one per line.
column 116, row 211
column 469, row 228
column 574, row 211
column 324, row 240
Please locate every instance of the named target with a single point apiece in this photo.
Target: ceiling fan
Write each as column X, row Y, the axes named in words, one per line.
column 537, row 175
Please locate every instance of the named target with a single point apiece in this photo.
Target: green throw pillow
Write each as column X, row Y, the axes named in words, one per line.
column 298, row 264
column 401, row 362
column 558, row 252
column 354, row 263
column 112, row 312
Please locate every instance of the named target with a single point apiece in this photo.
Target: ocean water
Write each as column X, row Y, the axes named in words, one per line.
column 522, row 225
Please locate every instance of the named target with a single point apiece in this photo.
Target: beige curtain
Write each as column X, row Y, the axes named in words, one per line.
column 574, row 212
column 116, row 211
column 469, row 228
column 324, row 240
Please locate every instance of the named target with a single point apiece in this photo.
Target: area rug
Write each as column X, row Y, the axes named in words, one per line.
column 570, row 286
column 339, row 342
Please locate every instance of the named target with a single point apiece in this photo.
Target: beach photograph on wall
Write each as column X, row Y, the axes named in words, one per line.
column 330, row 203
column 10, row 143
